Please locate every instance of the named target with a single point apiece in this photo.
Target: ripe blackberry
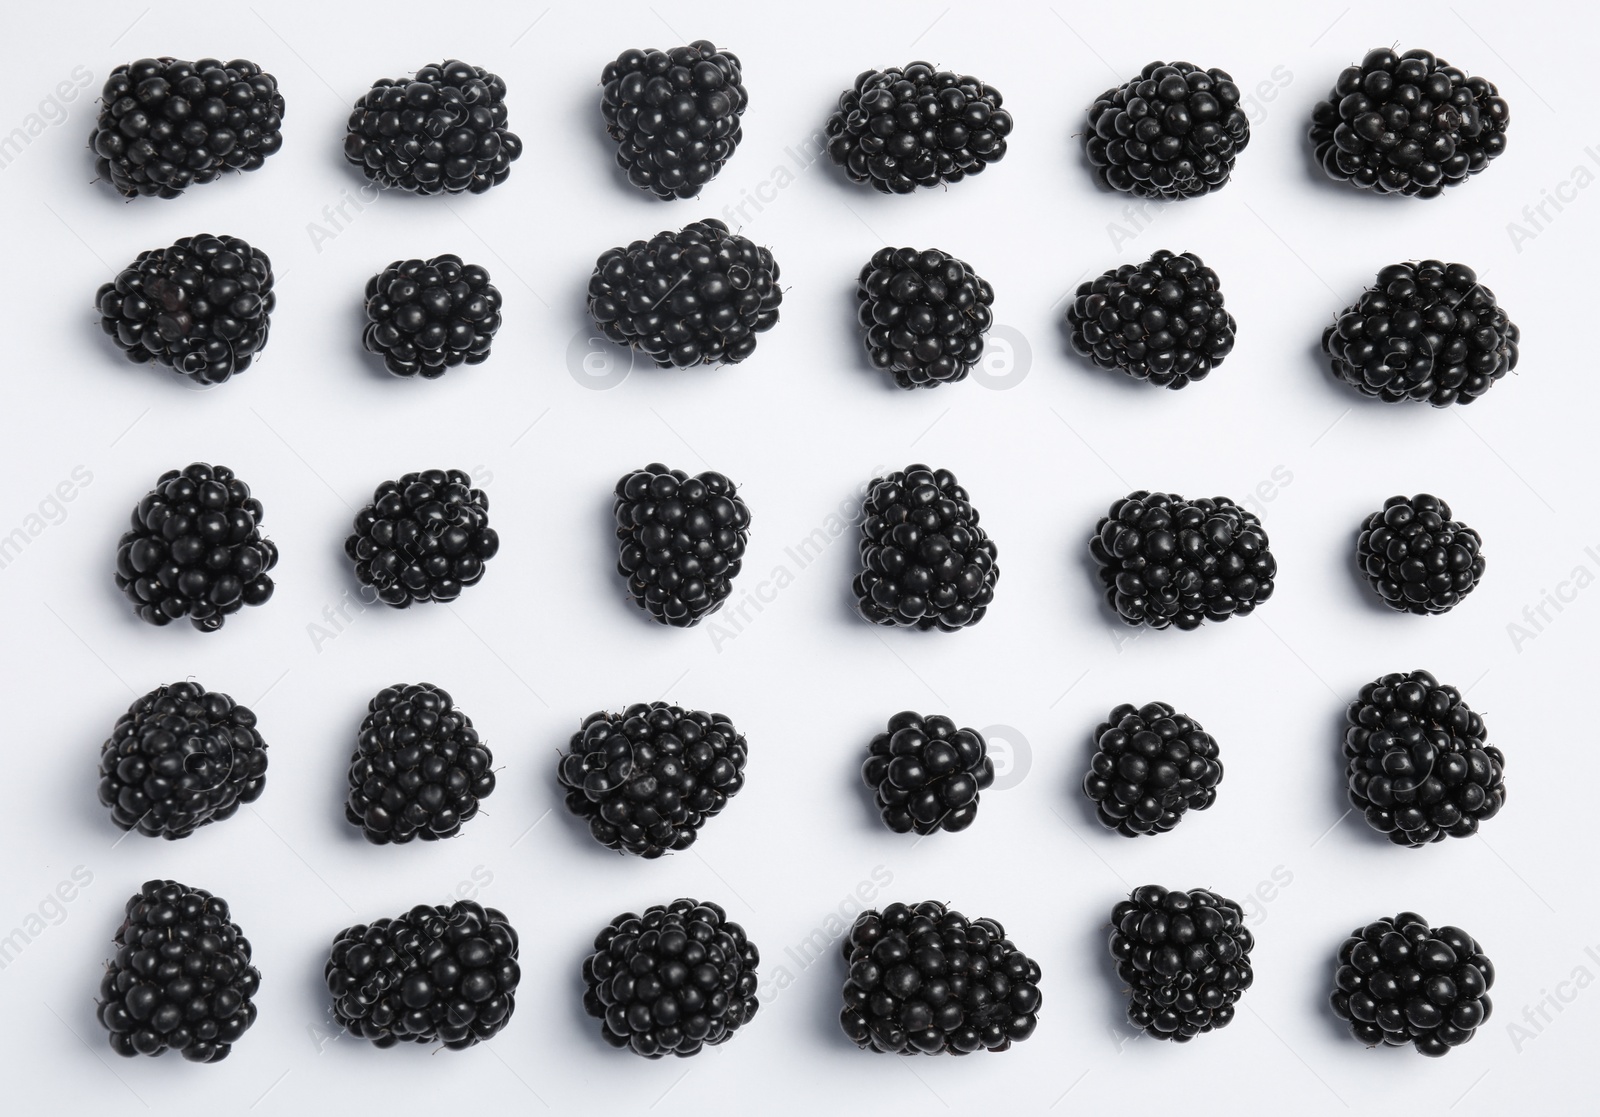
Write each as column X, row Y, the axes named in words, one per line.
column 435, row 973
column 1175, row 131
column 166, row 124
column 424, row 537
column 1417, row 558
column 925, row 562
column 680, row 541
column 195, row 549
column 695, row 297
column 441, row 132
column 1150, row 765
column 679, row 978
column 902, row 128
column 1400, row 981
column 925, row 774
column 1160, row 321
column 1408, row 124
column 924, row 313
column 181, row 978
column 201, row 307
column 1185, row 957
column 674, row 114
column 1423, row 331
column 425, row 316
column 180, row 758
column 1167, row 561
column 927, row 980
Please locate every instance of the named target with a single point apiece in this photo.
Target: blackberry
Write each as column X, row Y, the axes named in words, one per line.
column 1418, row 762
column 925, row 774
column 181, row 978
column 426, row 316
column 926, row 980
column 924, row 314
column 1185, row 957
column 1169, row 561
column 695, row 297
column 434, row 974
column 180, row 758
column 425, row 537
column 1408, row 124
column 1400, row 981
column 166, row 124
column 441, row 132
column 1175, row 131
column 1151, row 764
column 680, row 541
column 674, row 114
column 1425, row 331
column 1417, row 558
column 925, row 562
column 195, row 549
column 1160, row 321
column 679, row 978
column 201, row 307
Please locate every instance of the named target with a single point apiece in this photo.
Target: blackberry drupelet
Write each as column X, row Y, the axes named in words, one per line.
column 674, row 114
column 195, row 549
column 698, row 296
column 1400, row 981
column 1161, row 321
column 434, row 974
column 926, row 980
column 1151, row 764
column 924, row 314
column 902, row 128
column 1175, row 131
column 181, row 978
column 925, row 774
column 201, row 307
column 441, row 132
column 1169, row 561
column 180, row 758
column 426, row 316
column 1408, row 124
column 677, row 979
column 925, row 562
column 166, row 124
column 425, row 537
column 680, row 541
column 1417, row 559
column 1185, row 957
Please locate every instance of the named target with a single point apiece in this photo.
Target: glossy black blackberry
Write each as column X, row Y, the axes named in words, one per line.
column 1169, row 561
column 924, row 314
column 180, row 758
column 926, row 980
column 1175, row 131
column 1185, row 957
column 166, row 124
column 440, row 132
column 1161, row 321
column 194, row 549
column 1408, row 124
column 201, row 307
column 1151, row 764
column 925, row 774
column 426, row 316
column 674, row 114
column 435, row 974
column 181, row 978
column 1400, row 981
column 425, row 537
column 1425, row 331
column 680, row 541
column 925, row 562
column 1417, row 559
column 698, row 296
column 677, row 979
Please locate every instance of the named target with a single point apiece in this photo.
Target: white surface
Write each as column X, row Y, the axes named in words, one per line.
column 547, row 637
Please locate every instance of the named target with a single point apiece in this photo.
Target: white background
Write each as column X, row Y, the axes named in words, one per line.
column 548, row 637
